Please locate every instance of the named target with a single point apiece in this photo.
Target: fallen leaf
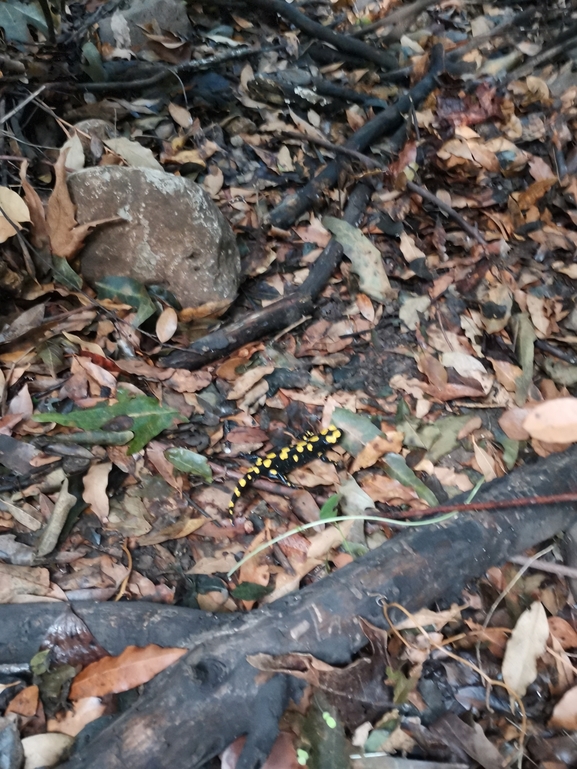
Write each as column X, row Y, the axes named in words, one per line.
column 38, row 228
column 25, row 703
column 553, row 421
column 94, row 494
column 565, row 712
column 66, row 236
column 43, row 750
column 73, row 721
column 563, row 632
column 166, row 324
column 366, row 259
column 527, row 643
column 14, row 208
column 135, row 666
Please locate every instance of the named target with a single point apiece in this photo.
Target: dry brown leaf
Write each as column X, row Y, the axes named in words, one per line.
column 563, row 632
column 174, row 531
column 16, row 581
column 14, row 208
column 247, row 381
column 25, row 703
column 527, row 643
column 553, row 421
column 73, row 721
column 38, row 230
column 511, row 422
column 135, row 666
column 565, row 712
column 155, row 455
column 166, row 324
column 506, row 374
column 180, row 115
column 213, row 181
column 375, row 449
column 485, row 463
column 94, row 494
column 66, row 236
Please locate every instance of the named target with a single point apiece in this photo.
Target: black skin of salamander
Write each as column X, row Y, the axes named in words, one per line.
column 278, row 464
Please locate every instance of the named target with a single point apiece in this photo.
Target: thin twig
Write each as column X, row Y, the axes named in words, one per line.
column 21, row 105
column 188, row 66
column 551, row 568
column 541, row 58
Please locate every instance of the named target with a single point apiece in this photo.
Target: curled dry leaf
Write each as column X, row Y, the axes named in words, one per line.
column 66, row 236
column 553, row 421
column 135, row 666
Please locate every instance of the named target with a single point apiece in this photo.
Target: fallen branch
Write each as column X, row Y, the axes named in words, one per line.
column 384, row 124
column 344, row 43
column 212, row 695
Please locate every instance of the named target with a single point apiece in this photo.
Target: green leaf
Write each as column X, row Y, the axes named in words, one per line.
column 249, row 591
column 328, row 510
column 399, row 470
column 127, row 291
column 189, row 462
column 92, row 64
column 149, row 417
column 403, row 685
column 64, row 274
column 358, row 430
column 15, row 18
column 366, row 259
column 446, row 436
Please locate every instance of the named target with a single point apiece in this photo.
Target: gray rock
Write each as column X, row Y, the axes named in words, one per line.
column 11, row 751
column 170, row 15
column 173, row 233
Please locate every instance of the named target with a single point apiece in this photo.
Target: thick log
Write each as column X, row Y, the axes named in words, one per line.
column 212, row 695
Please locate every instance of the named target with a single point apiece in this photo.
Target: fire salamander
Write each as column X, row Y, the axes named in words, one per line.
column 277, row 466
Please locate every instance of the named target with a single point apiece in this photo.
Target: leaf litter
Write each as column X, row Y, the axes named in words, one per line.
column 443, row 347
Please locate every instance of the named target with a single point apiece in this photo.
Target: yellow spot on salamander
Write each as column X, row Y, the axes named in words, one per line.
column 314, row 438
column 258, row 461
column 236, row 492
column 296, row 458
column 284, row 454
column 273, row 472
column 300, row 448
column 267, row 463
column 242, row 482
column 256, row 470
column 310, row 447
